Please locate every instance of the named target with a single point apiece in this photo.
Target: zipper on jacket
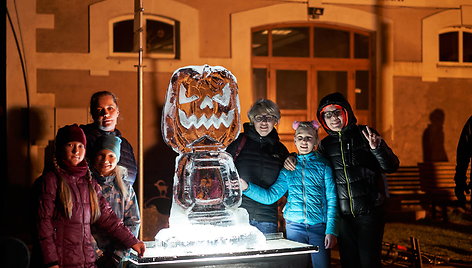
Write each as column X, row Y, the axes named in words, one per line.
column 304, row 191
column 348, row 184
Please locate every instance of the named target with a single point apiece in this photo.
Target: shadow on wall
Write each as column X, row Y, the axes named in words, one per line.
column 159, row 166
column 27, row 128
column 433, row 138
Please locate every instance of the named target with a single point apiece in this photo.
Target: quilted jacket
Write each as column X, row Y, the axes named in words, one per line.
column 311, row 192
column 358, row 169
column 259, row 162
column 65, row 241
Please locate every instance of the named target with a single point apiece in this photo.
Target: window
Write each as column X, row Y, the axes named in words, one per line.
column 296, row 64
column 455, row 45
column 310, row 41
column 362, row 90
column 161, row 37
column 332, row 81
column 259, row 83
column 260, row 43
column 291, row 42
column 291, row 89
column 122, row 30
column 331, row 43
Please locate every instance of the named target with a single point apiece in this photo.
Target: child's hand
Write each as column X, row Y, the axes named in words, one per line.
column 139, row 248
column 330, row 241
column 373, row 139
column 244, row 184
column 290, row 163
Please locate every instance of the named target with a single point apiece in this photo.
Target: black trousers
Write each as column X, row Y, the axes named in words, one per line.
column 360, row 240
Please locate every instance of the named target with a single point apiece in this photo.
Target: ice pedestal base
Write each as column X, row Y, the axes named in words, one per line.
column 276, row 253
column 201, row 239
column 231, row 234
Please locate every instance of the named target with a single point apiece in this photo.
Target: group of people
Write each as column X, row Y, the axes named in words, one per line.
column 335, row 187
column 87, row 213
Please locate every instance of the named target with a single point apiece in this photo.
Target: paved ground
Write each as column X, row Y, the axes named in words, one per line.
column 335, row 263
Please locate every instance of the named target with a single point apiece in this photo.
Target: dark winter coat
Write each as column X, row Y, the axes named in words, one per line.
column 127, row 158
column 358, row 169
column 68, row 242
column 464, row 156
column 259, row 162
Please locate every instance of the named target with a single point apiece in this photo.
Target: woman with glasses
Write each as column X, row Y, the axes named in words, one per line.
column 259, row 156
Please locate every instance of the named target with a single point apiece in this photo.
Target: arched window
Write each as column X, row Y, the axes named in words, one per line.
column 161, row 37
column 455, row 45
column 297, row 64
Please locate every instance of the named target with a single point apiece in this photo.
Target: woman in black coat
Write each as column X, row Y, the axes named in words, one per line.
column 259, row 155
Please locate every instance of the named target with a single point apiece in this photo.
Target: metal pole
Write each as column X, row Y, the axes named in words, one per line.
column 138, row 34
column 416, row 250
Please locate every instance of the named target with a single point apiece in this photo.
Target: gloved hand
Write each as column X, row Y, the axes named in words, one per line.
column 460, row 190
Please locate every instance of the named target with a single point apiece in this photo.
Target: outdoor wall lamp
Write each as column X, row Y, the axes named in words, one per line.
column 315, row 12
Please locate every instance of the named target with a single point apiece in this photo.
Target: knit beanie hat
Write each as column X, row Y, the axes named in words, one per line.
column 68, row 134
column 109, row 142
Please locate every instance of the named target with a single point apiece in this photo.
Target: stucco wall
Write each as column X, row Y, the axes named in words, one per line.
column 415, row 101
column 70, row 32
column 66, row 48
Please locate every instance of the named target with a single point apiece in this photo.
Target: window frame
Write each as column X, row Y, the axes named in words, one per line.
column 172, row 22
column 313, row 65
column 460, row 30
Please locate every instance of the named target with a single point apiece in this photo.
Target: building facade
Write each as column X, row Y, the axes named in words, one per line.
column 405, row 65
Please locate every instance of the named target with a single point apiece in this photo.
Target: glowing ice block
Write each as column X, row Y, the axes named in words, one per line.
column 201, row 117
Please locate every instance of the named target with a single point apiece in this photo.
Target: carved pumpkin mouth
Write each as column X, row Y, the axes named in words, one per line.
column 188, row 121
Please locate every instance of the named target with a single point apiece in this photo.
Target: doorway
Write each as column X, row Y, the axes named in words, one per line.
column 295, row 65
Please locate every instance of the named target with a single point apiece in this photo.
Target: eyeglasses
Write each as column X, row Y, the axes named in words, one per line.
column 329, row 114
column 264, row 118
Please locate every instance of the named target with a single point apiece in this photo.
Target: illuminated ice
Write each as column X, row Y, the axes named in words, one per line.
column 201, row 118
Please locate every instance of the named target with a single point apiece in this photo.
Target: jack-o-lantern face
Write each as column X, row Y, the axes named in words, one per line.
column 202, row 109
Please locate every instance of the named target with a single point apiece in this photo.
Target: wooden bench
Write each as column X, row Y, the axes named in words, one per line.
column 437, row 181
column 406, row 196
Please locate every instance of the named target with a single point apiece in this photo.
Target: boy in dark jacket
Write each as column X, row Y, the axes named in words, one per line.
column 359, row 157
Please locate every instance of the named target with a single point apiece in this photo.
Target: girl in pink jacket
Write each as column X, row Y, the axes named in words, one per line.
column 69, row 203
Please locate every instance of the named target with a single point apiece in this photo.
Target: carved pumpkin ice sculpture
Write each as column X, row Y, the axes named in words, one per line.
column 201, row 117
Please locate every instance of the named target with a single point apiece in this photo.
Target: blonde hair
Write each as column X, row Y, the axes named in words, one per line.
column 66, row 198
column 311, row 126
column 263, row 106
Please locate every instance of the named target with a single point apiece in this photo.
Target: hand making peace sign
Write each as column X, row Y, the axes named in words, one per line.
column 373, row 139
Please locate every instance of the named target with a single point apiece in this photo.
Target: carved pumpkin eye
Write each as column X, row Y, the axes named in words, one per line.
column 225, row 98
column 183, row 98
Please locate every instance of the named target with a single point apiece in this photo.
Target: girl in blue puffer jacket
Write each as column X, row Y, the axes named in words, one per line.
column 311, row 208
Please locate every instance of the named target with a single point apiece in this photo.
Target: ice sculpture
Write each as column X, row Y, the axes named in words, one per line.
column 201, row 117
